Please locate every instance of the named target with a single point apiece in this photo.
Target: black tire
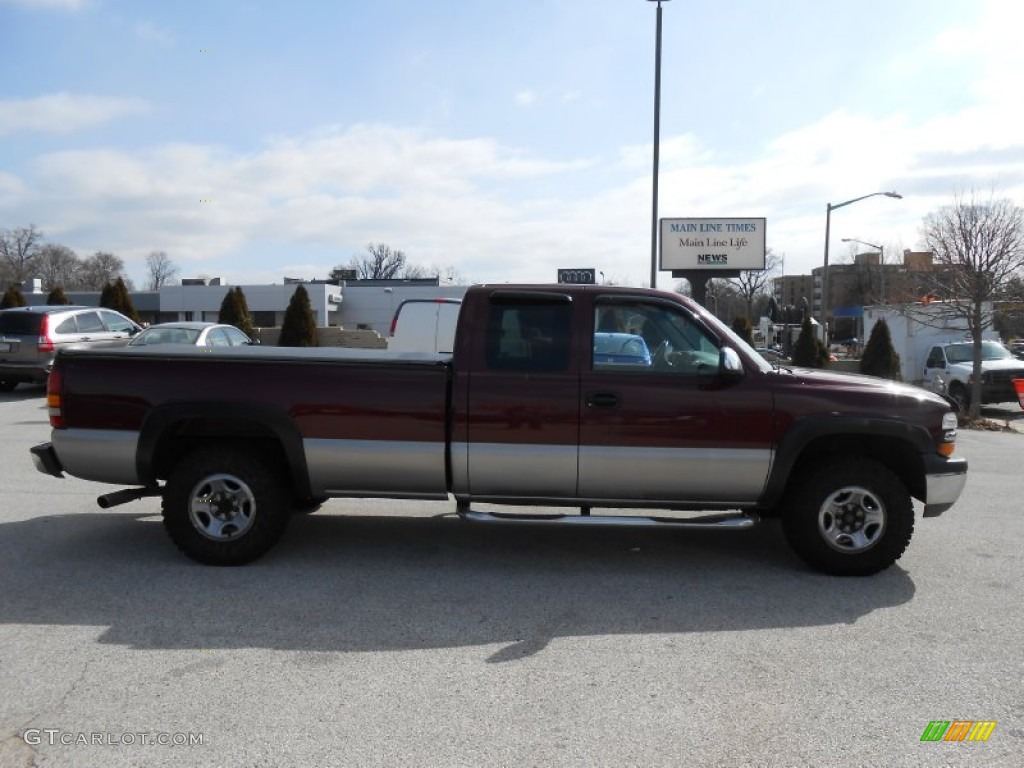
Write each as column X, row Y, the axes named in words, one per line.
column 225, row 506
column 850, row 517
column 8, row 386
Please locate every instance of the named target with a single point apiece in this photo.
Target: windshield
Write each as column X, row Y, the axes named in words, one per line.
column 964, row 353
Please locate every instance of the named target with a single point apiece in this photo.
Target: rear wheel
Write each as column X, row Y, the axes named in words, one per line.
column 7, row 386
column 225, row 506
column 854, row 517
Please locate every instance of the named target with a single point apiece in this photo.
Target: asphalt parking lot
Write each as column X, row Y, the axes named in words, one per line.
column 389, row 634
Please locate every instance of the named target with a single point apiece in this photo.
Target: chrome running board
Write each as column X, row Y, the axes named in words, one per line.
column 732, row 521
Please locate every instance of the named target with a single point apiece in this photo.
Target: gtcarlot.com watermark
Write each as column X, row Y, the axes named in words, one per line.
column 54, row 736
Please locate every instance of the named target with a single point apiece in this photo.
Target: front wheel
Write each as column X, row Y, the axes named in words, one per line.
column 225, row 506
column 854, row 517
column 962, row 396
column 7, row 386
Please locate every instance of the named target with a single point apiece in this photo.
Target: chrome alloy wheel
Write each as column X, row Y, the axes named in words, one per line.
column 852, row 520
column 222, row 507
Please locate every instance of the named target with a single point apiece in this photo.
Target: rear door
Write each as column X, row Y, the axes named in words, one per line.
column 671, row 429
column 522, row 406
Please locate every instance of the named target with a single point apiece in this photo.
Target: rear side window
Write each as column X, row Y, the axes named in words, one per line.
column 89, row 322
column 528, row 337
column 67, row 325
column 22, row 323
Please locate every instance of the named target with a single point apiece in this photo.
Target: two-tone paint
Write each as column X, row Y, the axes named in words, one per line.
column 425, row 426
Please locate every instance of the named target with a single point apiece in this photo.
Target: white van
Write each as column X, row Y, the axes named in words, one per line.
column 425, row 325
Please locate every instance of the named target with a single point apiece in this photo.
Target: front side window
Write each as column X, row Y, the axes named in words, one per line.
column 650, row 337
column 117, row 323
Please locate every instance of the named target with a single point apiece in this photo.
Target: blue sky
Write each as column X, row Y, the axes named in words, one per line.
column 504, row 139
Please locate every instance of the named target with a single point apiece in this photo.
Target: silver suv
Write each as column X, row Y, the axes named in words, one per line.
column 30, row 338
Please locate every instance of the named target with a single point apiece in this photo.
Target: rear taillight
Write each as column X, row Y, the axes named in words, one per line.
column 54, row 390
column 44, row 343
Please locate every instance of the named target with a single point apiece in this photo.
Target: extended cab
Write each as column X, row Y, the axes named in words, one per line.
column 587, row 398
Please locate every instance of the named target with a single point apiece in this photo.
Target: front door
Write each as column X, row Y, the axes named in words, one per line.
column 658, row 424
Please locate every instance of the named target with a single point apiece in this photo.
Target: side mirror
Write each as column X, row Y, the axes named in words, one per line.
column 730, row 366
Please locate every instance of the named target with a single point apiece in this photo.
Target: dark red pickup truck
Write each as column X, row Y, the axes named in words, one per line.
column 592, row 398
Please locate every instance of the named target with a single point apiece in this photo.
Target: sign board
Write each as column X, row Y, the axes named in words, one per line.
column 583, row 276
column 712, row 244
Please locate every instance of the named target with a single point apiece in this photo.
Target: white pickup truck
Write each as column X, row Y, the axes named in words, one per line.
column 948, row 369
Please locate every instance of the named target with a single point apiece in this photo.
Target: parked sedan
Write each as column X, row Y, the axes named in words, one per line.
column 193, row 333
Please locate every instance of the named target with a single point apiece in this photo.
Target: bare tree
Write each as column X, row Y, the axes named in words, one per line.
column 753, row 283
column 102, row 268
column 58, row 267
column 380, row 263
column 417, row 272
column 448, row 275
column 978, row 246
column 162, row 270
column 18, row 248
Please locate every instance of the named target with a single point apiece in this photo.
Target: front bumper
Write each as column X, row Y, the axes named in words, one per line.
column 45, row 459
column 944, row 481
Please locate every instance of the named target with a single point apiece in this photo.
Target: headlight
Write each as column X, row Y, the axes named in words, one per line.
column 947, row 444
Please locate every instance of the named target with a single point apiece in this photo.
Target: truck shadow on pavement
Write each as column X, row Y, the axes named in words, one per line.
column 338, row 583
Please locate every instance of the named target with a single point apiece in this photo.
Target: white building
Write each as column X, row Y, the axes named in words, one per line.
column 267, row 303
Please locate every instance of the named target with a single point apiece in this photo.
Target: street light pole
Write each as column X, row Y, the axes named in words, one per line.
column 828, row 220
column 657, row 136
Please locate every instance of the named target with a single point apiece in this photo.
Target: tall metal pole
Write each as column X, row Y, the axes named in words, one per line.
column 824, row 271
column 657, row 137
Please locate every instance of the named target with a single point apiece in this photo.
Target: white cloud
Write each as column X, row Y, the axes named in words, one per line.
column 62, row 113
